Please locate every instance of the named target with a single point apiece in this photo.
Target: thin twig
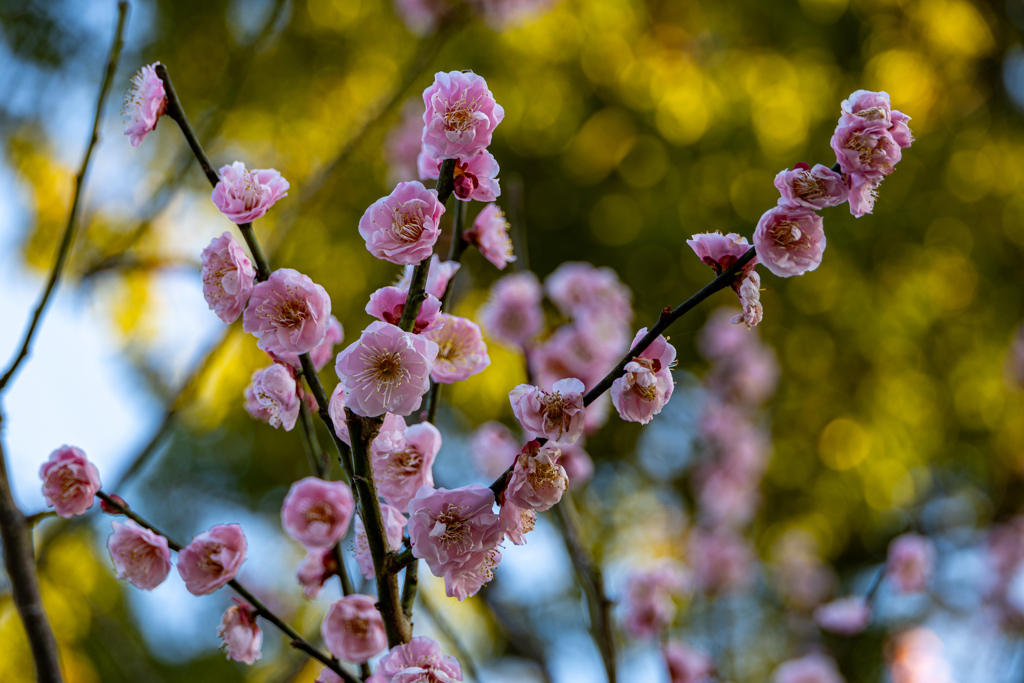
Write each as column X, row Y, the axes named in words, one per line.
column 449, row 633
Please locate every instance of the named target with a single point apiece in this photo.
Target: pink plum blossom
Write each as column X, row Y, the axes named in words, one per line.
column 272, row 396
column 647, row 385
column 289, row 313
column 316, row 567
column 462, row 352
column 353, row 629
column 866, row 147
column 721, row 251
column 212, row 559
column 581, row 290
column 868, row 106
column 790, row 240
column 575, row 350
column 513, row 313
column 144, row 104
column 240, row 635
column 910, row 562
column 722, row 561
column 228, row 277
column 750, row 298
column 388, row 303
column 454, row 531
column 140, row 556
column 516, row 522
column 475, row 179
column 387, row 370
column 812, row 668
column 490, row 235
column 394, row 526
column 460, row 116
column 900, row 131
column 537, row 481
column 649, row 604
column 468, row 581
column 328, row 676
column 687, row 664
column 403, row 143
column 403, row 227
column 243, row 196
column 557, row 415
column 70, row 481
column 322, row 353
column 390, row 436
column 422, row 17
column 864, row 192
column 493, row 448
column 316, row 513
column 400, row 473
column 505, row 14
column 845, row 616
column 812, row 188
column 576, row 462
column 418, row 661
column 438, row 276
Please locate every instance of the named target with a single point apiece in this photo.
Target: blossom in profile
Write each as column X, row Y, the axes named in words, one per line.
column 557, row 415
column 144, row 104
column 537, row 481
column 322, row 353
column 388, row 303
column 228, row 277
column 900, row 130
column 474, row 179
column 493, row 448
column 650, row 599
column 403, row 227
column 513, row 313
column 140, row 556
column 647, row 385
column 812, row 668
column 750, row 298
column 721, row 560
column 460, row 116
column 910, row 562
column 865, row 147
column 490, row 235
column 316, row 513
column 403, row 143
column 581, row 290
column 461, row 353
column 419, row 660
column 316, row 567
column 687, row 664
column 353, row 629
column 272, row 396
column 812, row 188
column 386, row 371
column 394, row 527
column 212, row 559
column 721, row 251
column 399, row 474
column 864, row 192
column 70, row 481
column 846, row 616
column 439, row 274
column 289, row 313
column 243, row 195
column 240, row 635
column 790, row 240
column 516, row 522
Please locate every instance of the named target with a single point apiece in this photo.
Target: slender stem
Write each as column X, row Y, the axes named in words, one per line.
column 262, row 265
column 449, row 634
column 410, row 585
column 176, row 112
column 71, row 225
column 876, row 583
column 32, row 520
column 313, row 381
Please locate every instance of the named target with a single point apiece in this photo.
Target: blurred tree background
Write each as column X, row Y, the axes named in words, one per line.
column 629, row 126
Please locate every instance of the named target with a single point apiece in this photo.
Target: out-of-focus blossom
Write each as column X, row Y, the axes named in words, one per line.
column 597, row 414
column 316, row 567
column 144, row 104
column 804, row 581
column 846, row 616
column 578, row 465
column 790, row 240
column 493, row 449
column 322, row 353
column 212, row 558
column 581, row 290
column 272, row 396
column 745, row 371
column 418, row 661
column 403, row 227
column 243, row 195
column 537, row 481
column 328, row 676
column 388, row 303
column 353, row 629
column 240, row 635
column 812, row 668
column 721, row 251
column 504, row 14
column 750, row 298
column 917, row 657
column 647, row 386
column 557, row 415
column 490, row 235
column 573, row 351
column 439, row 274
column 813, row 188
column 400, row 473
column 910, row 562
column 403, row 143
column 474, row 179
column 516, row 522
column 687, row 664
column 394, row 526
column 316, row 513
column 140, row 556
column 461, row 353
column 513, row 313
column 649, row 601
column 289, row 313
column 70, row 481
column 722, row 561
column 228, row 277
column 460, row 116
column 387, row 370
column 422, row 17
column 726, row 496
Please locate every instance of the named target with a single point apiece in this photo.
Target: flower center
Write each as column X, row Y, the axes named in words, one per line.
column 208, row 561
column 870, row 150
column 460, row 114
column 406, row 463
column 872, row 114
column 809, row 188
column 787, row 235
column 553, row 409
column 68, row 483
column 251, row 192
column 357, row 626
column 384, row 370
column 528, row 519
column 407, row 224
column 319, row 512
column 291, row 313
column 545, row 475
column 451, row 529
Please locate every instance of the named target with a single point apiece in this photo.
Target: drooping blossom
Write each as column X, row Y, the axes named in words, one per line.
column 649, row 603
column 468, row 581
column 493, row 448
column 789, row 240
column 144, row 104
column 212, row 559
column 516, row 522
column 577, row 463
column 240, row 635
column 272, row 396
column 316, row 567
column 322, row 353
column 721, row 251
column 70, row 481
column 394, row 526
column 722, row 561
column 387, row 370
column 846, row 616
column 418, row 661
column 917, row 657
column 460, row 116
column 439, row 274
column 557, row 415
column 388, row 303
column 750, row 298
column 316, row 513
column 353, row 629
column 647, row 386
column 474, row 179
column 461, row 353
column 813, row 188
column 453, row 531
column 537, row 481
column 243, row 195
column 910, row 562
column 400, row 473
column 422, row 17
column 289, row 313
column 403, row 227
column 581, row 290
column 812, row 668
column 513, row 313
column 490, row 235
column 403, row 143
column 864, row 192
column 900, row 131
column 687, row 664
column 140, row 556
column 228, row 277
